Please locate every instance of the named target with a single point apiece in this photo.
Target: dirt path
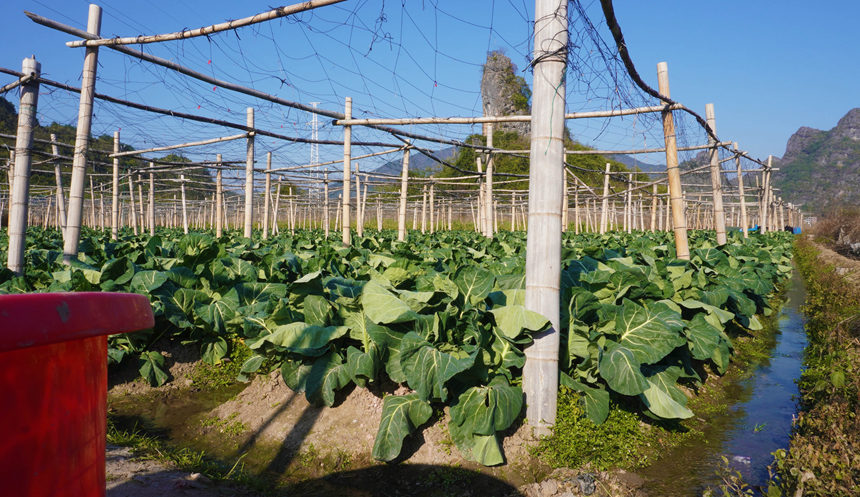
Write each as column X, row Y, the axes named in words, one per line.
column 128, row 476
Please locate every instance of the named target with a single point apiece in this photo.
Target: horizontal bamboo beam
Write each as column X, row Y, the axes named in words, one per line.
column 498, row 119
column 184, row 145
column 638, row 151
column 15, row 84
column 207, row 30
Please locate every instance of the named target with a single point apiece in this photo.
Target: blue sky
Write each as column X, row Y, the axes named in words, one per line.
column 769, row 68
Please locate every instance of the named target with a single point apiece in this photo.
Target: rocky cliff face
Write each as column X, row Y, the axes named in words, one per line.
column 503, row 92
column 821, row 169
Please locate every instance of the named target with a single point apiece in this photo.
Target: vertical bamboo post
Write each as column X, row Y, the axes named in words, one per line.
column 628, row 209
column 744, row 222
column 359, row 228
column 82, row 137
column 378, row 215
column 276, row 208
column 363, row 203
column 267, row 196
column 676, row 194
column 577, row 218
column 450, row 224
column 433, row 207
column 114, row 215
column 58, row 177
column 565, row 203
column 404, row 184
column 640, row 207
column 513, row 211
column 185, row 207
column 292, row 220
column 20, row 194
column 249, row 175
column 139, row 200
column 781, row 226
column 424, row 208
column 219, row 199
column 653, row 208
column 347, row 157
column 716, row 178
column 132, row 216
column 10, row 178
column 325, row 205
column 488, row 188
column 604, row 211
column 151, row 200
column 543, row 242
column 415, row 217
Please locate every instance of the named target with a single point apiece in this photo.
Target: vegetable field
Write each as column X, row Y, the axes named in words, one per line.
column 442, row 314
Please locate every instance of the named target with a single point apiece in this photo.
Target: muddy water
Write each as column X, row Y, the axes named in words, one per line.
column 757, row 422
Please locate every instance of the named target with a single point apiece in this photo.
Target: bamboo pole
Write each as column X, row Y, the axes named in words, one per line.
column 565, row 206
column 267, row 196
column 151, row 200
column 653, row 208
column 139, row 200
column 347, row 153
column 132, row 216
column 716, row 179
column 513, row 211
column 404, row 185
column 363, row 206
column 20, row 194
column 82, row 139
column 765, row 210
column 325, row 205
column 206, row 30
column 450, row 224
column 359, row 229
column 432, row 208
column 543, row 243
column 92, row 203
column 378, row 215
column 488, row 188
column 185, row 145
column 58, row 177
column 219, row 200
column 184, row 206
column 577, row 218
column 276, row 209
column 744, row 222
column 676, row 194
column 604, row 211
column 114, row 210
column 249, row 176
column 628, row 208
column 423, row 209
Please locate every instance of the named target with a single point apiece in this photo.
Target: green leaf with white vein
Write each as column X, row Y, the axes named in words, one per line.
column 648, row 333
column 428, row 369
column 513, row 319
column 401, row 414
column 619, row 367
column 305, row 339
column 383, row 307
column 327, row 375
column 659, row 400
column 486, row 410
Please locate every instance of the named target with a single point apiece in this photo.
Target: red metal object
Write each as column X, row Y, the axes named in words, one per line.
column 53, row 383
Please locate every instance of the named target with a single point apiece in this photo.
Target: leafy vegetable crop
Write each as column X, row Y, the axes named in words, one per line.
column 442, row 314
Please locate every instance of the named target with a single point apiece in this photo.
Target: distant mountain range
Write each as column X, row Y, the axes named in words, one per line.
column 419, row 162
column 821, row 169
column 632, row 162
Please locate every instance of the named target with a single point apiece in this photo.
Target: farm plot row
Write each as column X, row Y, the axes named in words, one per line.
column 442, row 314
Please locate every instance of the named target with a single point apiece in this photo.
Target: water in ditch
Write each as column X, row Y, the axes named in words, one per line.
column 756, row 423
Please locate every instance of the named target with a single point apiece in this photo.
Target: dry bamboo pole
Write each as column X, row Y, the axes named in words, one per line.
column 378, row 215
column 565, row 205
column 513, row 211
column 58, row 177
column 432, row 207
column 139, row 200
column 151, row 200
column 404, row 184
column 424, row 209
column 48, row 209
column 481, row 213
column 347, row 153
column 604, row 212
column 472, row 212
column 184, row 205
column 114, row 226
column 338, row 211
column 132, row 216
column 219, row 200
column 415, row 217
column 577, row 217
column 82, row 138
column 640, row 207
column 249, row 175
column 363, row 205
column 267, row 196
column 716, row 178
column 781, row 218
column 450, row 224
column 206, row 30
column 359, row 229
column 653, row 208
column 768, row 219
column 20, row 193
column 741, row 194
column 292, row 209
column 496, row 215
column 668, row 214
column 628, row 208
column 276, row 209
column 682, row 250
column 488, row 188
column 325, row 205
column 543, row 242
